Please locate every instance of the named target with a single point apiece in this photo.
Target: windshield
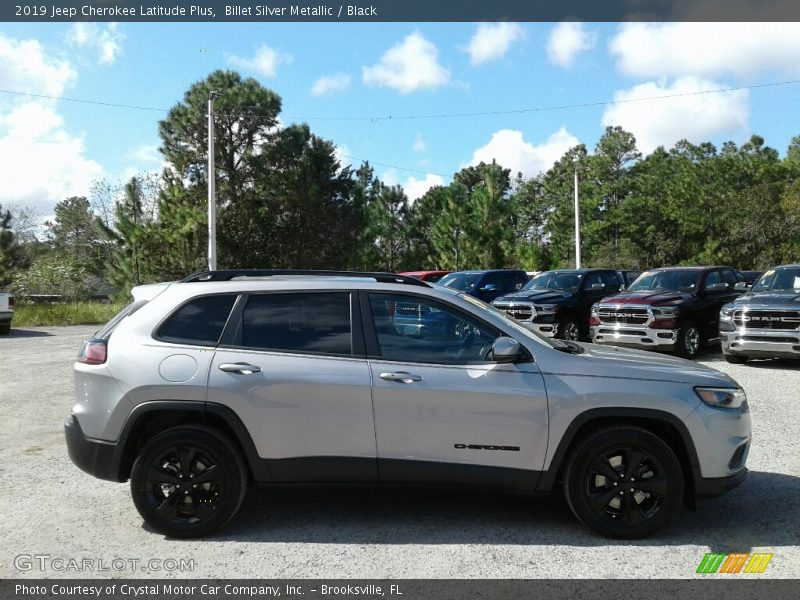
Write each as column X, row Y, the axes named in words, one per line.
column 786, row 279
column 673, row 281
column 462, row 282
column 555, row 280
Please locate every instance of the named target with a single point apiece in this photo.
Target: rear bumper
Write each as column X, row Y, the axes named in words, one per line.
column 634, row 336
column 761, row 343
column 95, row 457
column 706, row 487
column 6, row 316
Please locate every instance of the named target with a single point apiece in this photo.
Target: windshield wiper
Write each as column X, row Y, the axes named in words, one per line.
column 568, row 347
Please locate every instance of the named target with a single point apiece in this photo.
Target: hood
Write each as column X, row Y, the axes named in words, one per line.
column 786, row 299
column 627, row 363
column 647, row 297
column 537, row 296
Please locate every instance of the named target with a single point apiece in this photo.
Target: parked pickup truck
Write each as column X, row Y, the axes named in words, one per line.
column 557, row 303
column 765, row 322
column 6, row 312
column 672, row 309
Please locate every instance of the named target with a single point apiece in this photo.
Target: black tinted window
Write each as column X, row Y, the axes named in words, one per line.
column 318, row 323
column 412, row 329
column 200, row 321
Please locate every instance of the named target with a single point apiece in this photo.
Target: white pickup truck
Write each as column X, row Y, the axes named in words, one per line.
column 6, row 312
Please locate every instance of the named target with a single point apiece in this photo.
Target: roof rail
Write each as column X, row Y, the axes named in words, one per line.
column 228, row 274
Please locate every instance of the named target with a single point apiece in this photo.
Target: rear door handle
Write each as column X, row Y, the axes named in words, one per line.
column 240, row 367
column 401, row 376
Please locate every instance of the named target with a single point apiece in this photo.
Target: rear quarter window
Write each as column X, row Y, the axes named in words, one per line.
column 199, row 321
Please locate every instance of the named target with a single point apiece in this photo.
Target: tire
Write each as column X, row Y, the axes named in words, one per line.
column 690, row 341
column 569, row 329
column 735, row 359
column 158, row 477
column 593, row 482
column 5, row 328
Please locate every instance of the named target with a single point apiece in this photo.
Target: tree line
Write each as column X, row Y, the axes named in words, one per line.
column 286, row 201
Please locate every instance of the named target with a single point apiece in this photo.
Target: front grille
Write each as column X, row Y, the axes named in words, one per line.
column 623, row 315
column 765, row 338
column 782, row 320
column 520, row 313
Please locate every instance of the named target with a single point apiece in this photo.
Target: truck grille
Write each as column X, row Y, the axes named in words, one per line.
column 520, row 312
column 624, row 315
column 784, row 320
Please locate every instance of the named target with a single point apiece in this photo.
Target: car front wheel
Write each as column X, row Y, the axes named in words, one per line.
column 624, row 482
column 690, row 340
column 188, row 481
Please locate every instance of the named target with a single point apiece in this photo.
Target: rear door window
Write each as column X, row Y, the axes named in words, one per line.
column 199, row 321
column 309, row 323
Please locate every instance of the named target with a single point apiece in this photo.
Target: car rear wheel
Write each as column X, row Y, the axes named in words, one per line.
column 188, row 481
column 735, row 359
column 690, row 340
column 624, row 482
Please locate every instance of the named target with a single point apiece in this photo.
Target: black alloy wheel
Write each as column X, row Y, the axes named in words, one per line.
column 188, row 481
column 624, row 482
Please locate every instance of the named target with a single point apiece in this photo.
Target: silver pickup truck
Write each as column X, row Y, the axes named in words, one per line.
column 6, row 312
column 765, row 322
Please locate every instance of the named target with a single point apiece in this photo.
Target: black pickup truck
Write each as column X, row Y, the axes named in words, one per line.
column 557, row 303
column 672, row 309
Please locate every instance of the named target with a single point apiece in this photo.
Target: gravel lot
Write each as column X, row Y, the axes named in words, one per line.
column 50, row 507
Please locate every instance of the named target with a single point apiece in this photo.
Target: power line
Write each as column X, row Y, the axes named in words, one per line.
column 376, row 118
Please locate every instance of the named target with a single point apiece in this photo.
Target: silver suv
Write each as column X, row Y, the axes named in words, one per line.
column 231, row 378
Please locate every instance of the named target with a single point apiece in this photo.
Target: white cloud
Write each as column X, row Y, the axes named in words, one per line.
column 106, row 40
column 567, row 40
column 419, row 144
column 342, row 154
column 511, row 151
column 264, row 62
column 706, row 49
column 24, row 67
column 408, row 66
column 664, row 122
column 146, row 154
column 491, row 41
column 42, row 162
column 330, row 83
column 416, row 188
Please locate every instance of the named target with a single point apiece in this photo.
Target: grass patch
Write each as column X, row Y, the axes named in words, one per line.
column 73, row 313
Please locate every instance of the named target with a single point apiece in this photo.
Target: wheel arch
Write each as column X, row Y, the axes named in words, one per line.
column 150, row 418
column 665, row 425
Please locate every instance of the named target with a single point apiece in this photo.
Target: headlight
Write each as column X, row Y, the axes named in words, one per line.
column 546, row 309
column 722, row 397
column 665, row 312
column 726, row 313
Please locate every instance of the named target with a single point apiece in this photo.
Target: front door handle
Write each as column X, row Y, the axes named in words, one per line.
column 240, row 367
column 401, row 376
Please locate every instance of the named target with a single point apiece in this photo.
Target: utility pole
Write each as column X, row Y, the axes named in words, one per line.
column 212, row 192
column 577, row 223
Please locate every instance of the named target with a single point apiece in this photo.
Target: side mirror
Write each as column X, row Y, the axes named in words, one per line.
column 506, row 350
column 742, row 286
column 489, row 287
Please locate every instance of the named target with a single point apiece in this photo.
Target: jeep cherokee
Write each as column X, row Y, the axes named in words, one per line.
column 229, row 378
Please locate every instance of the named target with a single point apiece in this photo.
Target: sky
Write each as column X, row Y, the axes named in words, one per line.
column 345, row 79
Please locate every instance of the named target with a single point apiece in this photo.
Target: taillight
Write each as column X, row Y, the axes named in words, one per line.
column 93, row 352
column 11, row 302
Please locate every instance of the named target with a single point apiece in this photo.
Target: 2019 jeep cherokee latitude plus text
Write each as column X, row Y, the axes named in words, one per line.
column 201, row 387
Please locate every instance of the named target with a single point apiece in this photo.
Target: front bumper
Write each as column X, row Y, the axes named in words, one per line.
column 711, row 487
column 634, row 336
column 96, row 457
column 761, row 343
